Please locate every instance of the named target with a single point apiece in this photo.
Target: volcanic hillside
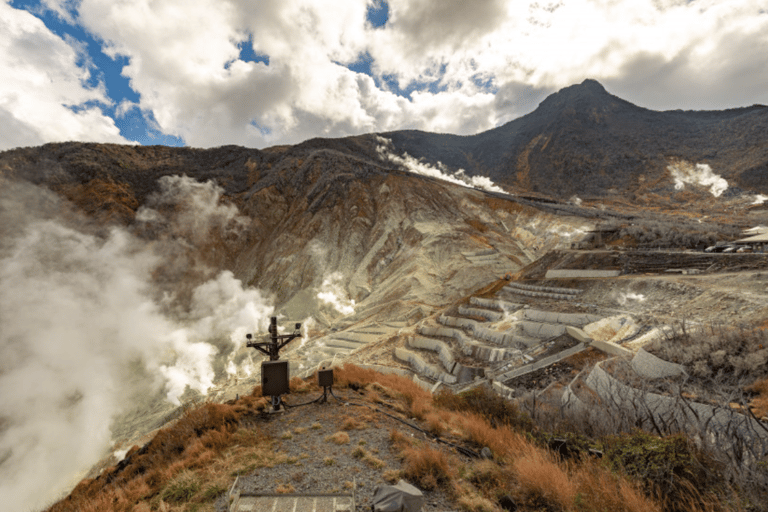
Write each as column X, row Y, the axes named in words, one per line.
column 584, row 141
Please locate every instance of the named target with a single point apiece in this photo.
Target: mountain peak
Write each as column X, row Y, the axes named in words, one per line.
column 592, row 85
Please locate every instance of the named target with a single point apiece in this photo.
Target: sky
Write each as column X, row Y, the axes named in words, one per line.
column 259, row 73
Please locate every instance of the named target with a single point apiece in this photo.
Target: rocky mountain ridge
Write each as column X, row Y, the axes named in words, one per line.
column 585, row 141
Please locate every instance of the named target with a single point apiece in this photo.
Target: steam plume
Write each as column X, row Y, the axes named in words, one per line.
column 332, row 293
column 440, row 172
column 684, row 173
column 82, row 333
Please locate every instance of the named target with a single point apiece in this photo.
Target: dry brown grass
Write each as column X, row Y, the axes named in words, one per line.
column 428, row 468
column 417, row 400
column 367, row 457
column 285, row 489
column 603, row 490
column 503, row 442
column 194, row 461
column 759, row 403
column 338, row 438
column 352, row 423
column 540, row 477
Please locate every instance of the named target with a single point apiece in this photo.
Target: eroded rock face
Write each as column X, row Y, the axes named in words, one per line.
column 320, row 214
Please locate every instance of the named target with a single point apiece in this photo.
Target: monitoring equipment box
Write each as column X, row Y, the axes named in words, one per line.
column 325, row 378
column 274, row 378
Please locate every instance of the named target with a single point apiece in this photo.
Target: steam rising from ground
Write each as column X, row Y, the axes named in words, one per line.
column 628, row 298
column 332, row 292
column 685, row 173
column 440, row 172
column 82, row 332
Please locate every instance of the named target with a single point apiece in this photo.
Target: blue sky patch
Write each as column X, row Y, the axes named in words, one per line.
column 248, row 55
column 378, row 14
column 133, row 125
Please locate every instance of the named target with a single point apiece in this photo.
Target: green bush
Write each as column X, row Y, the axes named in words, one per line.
column 181, row 488
column 669, row 467
column 483, row 401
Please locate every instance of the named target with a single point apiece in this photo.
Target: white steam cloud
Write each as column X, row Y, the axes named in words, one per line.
column 332, row 293
column 626, row 298
column 440, row 172
column 82, row 333
column 759, row 199
column 701, row 174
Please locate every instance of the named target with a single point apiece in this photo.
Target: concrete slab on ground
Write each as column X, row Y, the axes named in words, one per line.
column 293, row 503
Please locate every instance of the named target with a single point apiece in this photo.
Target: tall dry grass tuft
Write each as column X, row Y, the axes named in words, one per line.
column 428, row 468
column 192, row 442
column 541, row 478
column 300, row 386
column 417, row 400
column 599, row 489
column 484, row 402
column 503, row 442
column 490, row 478
column 760, row 401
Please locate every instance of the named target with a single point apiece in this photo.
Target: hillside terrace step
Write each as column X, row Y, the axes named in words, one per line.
column 505, row 339
column 485, row 257
column 493, row 316
column 497, row 304
column 544, row 295
column 554, row 317
column 471, row 347
column 342, row 343
column 482, row 252
column 356, row 336
column 443, row 350
column 423, row 368
column 509, row 376
column 546, row 289
column 541, row 330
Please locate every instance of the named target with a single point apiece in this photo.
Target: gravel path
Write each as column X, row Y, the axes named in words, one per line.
column 319, row 463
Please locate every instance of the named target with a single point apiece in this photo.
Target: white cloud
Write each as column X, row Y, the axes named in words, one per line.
column 44, row 95
column 485, row 62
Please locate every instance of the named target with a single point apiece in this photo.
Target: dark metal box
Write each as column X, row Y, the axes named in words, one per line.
column 325, row 378
column 274, row 378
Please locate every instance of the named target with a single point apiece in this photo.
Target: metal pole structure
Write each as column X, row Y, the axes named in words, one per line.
column 277, row 341
column 272, row 348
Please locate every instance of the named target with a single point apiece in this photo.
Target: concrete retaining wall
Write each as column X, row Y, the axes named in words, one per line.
column 422, row 367
column 553, row 317
column 545, row 289
column 480, row 332
column 499, row 304
column 493, row 316
column 470, row 347
column 442, row 349
column 545, row 295
column 580, row 273
column 540, row 364
column 504, row 391
column 611, row 348
column 541, row 330
column 578, row 334
column 649, row 366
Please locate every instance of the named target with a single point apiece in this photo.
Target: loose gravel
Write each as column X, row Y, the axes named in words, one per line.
column 308, row 438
